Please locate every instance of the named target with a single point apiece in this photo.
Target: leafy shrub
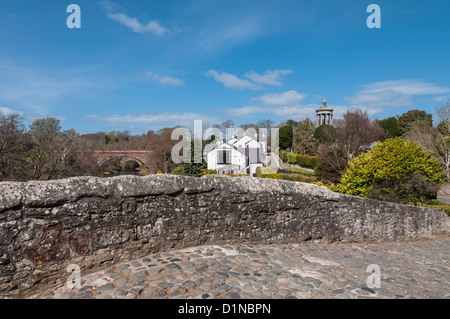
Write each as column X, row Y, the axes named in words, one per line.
column 258, row 172
column 272, row 176
column 209, row 171
column 299, row 159
column 177, row 171
column 395, row 170
column 269, row 172
column 296, row 178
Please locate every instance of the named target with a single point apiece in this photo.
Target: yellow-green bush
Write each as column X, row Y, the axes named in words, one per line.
column 258, row 172
column 209, row 171
column 394, row 168
column 273, row 176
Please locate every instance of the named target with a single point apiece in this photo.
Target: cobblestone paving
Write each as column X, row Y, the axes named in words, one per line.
column 417, row 269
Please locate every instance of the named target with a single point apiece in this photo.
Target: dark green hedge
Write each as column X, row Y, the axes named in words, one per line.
column 302, row 160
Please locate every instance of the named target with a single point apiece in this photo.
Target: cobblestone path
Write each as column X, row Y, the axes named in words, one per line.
column 418, row 269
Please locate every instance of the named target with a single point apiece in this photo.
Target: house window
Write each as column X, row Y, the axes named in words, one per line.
column 223, row 157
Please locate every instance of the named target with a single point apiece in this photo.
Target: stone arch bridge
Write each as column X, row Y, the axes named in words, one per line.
column 142, row 157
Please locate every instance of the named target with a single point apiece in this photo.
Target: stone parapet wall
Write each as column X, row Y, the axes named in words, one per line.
column 93, row 222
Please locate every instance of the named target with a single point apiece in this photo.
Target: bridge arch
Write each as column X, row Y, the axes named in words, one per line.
column 141, row 157
column 123, row 160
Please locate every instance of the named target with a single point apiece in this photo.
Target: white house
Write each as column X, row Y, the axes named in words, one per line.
column 236, row 155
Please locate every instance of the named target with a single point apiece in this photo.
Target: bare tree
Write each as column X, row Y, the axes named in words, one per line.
column 359, row 132
column 228, row 124
column 268, row 124
column 161, row 145
column 332, row 152
column 444, row 116
column 433, row 141
column 14, row 147
column 54, row 152
column 348, row 138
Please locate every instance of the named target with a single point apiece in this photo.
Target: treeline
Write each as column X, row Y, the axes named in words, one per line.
column 336, row 146
column 42, row 152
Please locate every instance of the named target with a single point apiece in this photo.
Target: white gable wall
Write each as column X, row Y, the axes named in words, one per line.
column 237, row 158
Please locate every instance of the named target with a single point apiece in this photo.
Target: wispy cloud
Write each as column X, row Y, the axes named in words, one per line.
column 270, row 77
column 133, row 23
column 281, row 99
column 284, row 104
column 8, row 111
column 158, row 119
column 409, row 87
column 246, row 111
column 38, row 89
column 441, row 98
column 165, row 80
column 231, row 33
column 292, row 108
column 295, row 112
column 387, row 97
column 394, row 93
column 231, row 81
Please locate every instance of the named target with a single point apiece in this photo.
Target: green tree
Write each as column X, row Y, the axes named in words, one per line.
column 111, row 138
column 191, row 169
column 286, row 137
column 390, row 126
column 303, row 139
column 396, row 170
column 408, row 119
column 291, row 123
column 319, row 133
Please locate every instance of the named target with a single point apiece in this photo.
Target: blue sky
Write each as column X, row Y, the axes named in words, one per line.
column 140, row 65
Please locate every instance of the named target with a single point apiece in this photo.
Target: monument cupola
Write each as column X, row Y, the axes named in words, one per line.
column 324, row 115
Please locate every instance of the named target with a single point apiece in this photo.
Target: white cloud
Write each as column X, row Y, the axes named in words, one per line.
column 134, row 24
column 441, row 98
column 231, row 81
column 297, row 111
column 394, row 93
column 8, row 111
column 153, row 26
column 387, row 97
column 282, row 99
column 224, row 34
column 165, row 80
column 270, row 77
column 159, row 119
column 408, row 87
column 245, row 111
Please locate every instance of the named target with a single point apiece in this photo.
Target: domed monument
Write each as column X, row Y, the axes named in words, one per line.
column 324, row 115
